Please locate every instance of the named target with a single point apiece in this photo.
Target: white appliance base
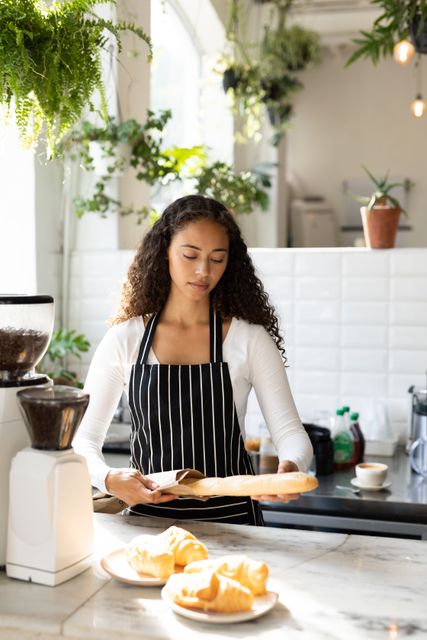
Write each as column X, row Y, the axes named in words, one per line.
column 50, row 578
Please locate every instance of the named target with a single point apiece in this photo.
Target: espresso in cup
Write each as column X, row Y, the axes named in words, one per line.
column 371, row 474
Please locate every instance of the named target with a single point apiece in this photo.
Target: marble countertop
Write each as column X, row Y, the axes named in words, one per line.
column 330, row 585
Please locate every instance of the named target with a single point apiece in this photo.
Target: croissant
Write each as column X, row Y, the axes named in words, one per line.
column 209, row 591
column 184, row 546
column 147, row 555
column 250, row 573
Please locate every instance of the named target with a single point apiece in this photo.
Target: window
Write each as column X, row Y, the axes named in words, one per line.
column 187, row 37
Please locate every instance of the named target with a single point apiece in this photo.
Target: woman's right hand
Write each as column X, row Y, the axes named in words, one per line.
column 133, row 488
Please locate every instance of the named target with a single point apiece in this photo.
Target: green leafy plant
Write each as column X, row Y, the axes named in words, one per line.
column 272, row 80
column 151, row 163
column 50, row 62
column 285, row 53
column 290, row 48
column 62, row 345
column 243, row 86
column 157, row 166
column 381, row 196
column 238, row 192
column 398, row 21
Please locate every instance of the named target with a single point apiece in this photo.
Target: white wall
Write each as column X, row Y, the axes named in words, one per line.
column 354, row 320
column 17, row 215
column 49, row 222
column 359, row 115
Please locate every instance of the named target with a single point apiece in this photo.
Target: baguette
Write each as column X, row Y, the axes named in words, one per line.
column 267, row 484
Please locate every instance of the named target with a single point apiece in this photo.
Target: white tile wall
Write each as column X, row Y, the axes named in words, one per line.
column 354, row 320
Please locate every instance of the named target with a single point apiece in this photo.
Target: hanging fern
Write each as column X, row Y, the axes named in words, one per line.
column 50, row 62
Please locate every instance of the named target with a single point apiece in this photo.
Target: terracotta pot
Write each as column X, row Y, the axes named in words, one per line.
column 380, row 226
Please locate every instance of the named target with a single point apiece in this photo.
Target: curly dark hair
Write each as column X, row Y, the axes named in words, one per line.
column 238, row 294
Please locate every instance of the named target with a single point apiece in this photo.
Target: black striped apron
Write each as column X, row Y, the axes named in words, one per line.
column 183, row 416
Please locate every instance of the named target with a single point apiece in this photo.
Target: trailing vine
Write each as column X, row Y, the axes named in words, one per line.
column 156, row 165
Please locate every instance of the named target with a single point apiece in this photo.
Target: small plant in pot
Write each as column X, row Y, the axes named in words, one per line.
column 381, row 213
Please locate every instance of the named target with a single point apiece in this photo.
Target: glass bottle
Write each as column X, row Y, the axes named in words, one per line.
column 357, row 433
column 268, row 459
column 346, row 414
column 354, row 434
column 342, row 443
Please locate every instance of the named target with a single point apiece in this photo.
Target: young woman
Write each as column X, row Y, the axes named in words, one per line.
column 194, row 333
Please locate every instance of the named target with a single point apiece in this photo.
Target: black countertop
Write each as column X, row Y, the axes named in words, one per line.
column 405, row 501
column 403, row 505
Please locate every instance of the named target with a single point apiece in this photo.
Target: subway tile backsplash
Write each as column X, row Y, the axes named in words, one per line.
column 354, row 321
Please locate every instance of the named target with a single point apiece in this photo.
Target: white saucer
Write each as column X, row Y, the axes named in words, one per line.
column 368, row 487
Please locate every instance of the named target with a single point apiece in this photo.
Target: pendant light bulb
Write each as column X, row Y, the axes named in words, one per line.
column 418, row 106
column 403, row 52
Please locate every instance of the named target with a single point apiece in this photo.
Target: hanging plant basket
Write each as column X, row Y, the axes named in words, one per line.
column 380, row 226
column 418, row 32
column 50, row 63
column 230, row 79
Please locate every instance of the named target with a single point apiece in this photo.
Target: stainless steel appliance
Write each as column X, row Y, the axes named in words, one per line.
column 418, row 414
column 417, row 441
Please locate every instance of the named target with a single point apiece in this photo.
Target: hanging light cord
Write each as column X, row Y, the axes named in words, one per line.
column 418, row 76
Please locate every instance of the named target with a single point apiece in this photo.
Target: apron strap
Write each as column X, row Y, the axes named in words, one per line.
column 147, row 339
column 215, row 325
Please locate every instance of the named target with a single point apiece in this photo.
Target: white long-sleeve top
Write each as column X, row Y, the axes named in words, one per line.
column 253, row 360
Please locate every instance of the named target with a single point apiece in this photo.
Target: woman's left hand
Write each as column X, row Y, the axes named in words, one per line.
column 285, row 466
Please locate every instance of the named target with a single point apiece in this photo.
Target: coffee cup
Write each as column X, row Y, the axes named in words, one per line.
column 371, row 474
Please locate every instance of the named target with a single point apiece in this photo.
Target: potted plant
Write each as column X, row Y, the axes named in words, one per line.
column 50, row 62
column 381, row 213
column 398, row 21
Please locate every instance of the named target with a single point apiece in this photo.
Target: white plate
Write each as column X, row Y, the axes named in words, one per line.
column 261, row 605
column 116, row 564
column 368, row 487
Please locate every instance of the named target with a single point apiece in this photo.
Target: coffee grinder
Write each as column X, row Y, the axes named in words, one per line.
column 50, row 506
column 26, row 324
